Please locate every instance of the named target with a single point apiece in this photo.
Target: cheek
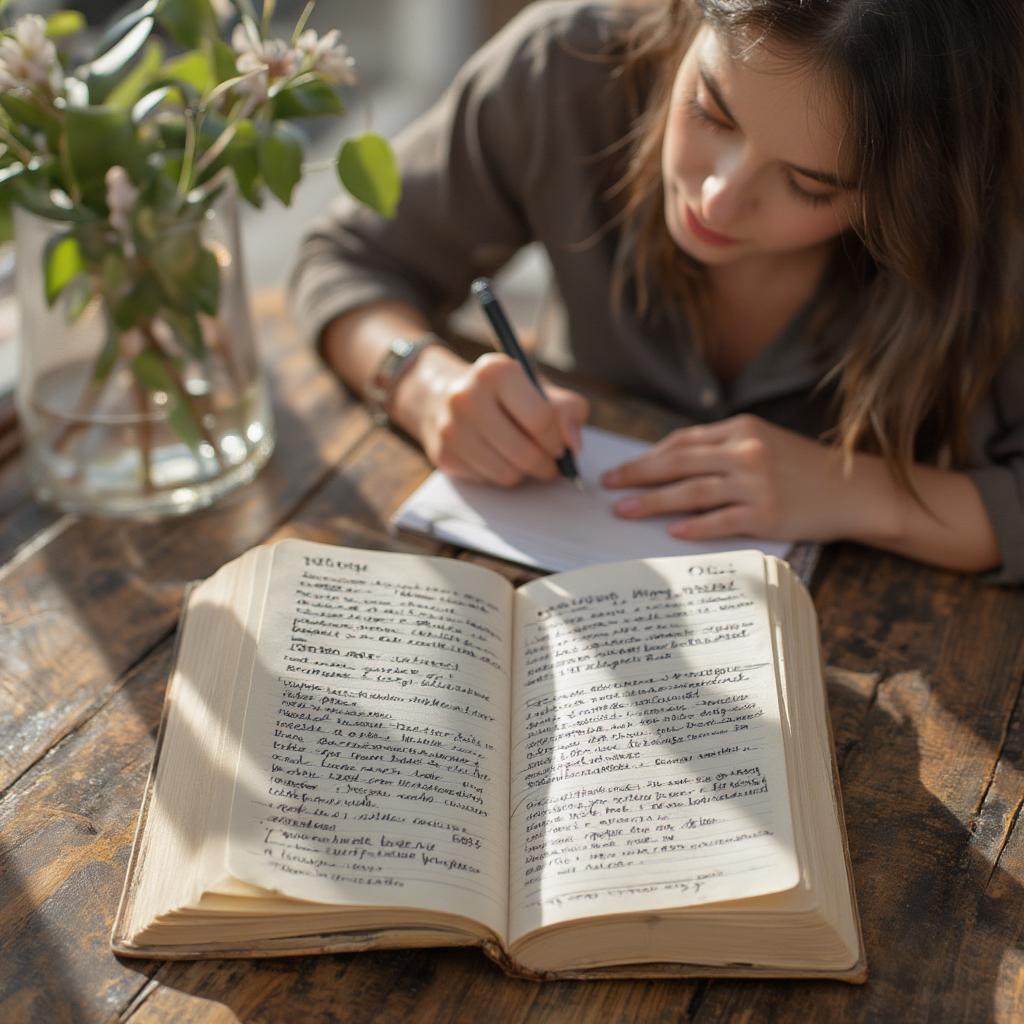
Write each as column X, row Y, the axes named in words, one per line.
column 681, row 153
column 796, row 224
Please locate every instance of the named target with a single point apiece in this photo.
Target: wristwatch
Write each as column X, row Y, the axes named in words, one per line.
column 396, row 361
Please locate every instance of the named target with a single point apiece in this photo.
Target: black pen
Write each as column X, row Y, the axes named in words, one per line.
column 481, row 289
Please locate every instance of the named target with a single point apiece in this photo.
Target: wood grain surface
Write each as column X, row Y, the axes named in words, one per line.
column 925, row 678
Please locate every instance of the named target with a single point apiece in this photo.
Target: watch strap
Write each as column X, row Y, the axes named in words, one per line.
column 398, row 358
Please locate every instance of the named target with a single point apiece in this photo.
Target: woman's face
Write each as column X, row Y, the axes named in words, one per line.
column 753, row 161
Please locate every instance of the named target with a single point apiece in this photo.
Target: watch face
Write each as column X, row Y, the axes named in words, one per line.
column 392, row 366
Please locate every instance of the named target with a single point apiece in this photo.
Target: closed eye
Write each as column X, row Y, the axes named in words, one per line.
column 699, row 113
column 812, row 198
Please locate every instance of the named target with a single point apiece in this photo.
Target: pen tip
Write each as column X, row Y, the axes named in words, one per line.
column 578, row 484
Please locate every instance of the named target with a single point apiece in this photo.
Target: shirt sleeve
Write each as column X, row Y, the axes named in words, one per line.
column 997, row 467
column 464, row 167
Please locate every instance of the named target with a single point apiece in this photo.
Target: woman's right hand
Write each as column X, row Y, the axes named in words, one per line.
column 485, row 420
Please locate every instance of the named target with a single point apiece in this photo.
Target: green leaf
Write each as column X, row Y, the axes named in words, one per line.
column 108, row 356
column 173, row 255
column 62, row 262
column 199, row 201
column 280, row 152
column 79, row 293
column 37, row 200
column 159, row 195
column 120, row 28
column 206, row 282
column 187, row 330
column 151, row 372
column 93, row 242
column 64, row 23
column 134, row 85
column 99, row 138
column 172, row 132
column 25, row 113
column 150, row 101
column 367, row 168
column 10, row 174
column 241, row 154
column 223, row 59
column 184, row 423
column 153, row 375
column 103, row 73
column 186, row 20
column 192, row 69
column 114, row 272
column 139, row 304
column 306, row 99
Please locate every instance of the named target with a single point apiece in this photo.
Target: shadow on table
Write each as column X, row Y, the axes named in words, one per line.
column 937, row 918
column 123, row 583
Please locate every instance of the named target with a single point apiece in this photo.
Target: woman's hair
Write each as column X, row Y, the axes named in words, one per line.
column 932, row 275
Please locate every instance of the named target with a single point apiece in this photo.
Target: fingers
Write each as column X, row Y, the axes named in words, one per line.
column 487, row 421
column 495, row 425
column 476, row 460
column 663, row 464
column 731, row 521
column 689, row 451
column 696, row 494
column 726, row 478
column 532, row 412
column 510, row 443
column 573, row 411
column 715, row 506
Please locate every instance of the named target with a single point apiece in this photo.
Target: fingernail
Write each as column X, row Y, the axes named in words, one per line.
column 610, row 478
column 628, row 506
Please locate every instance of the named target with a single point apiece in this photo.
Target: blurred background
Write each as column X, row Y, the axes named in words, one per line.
column 406, row 52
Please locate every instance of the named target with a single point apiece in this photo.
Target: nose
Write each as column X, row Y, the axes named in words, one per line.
column 727, row 192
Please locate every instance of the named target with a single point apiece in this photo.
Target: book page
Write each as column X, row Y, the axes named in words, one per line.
column 374, row 765
column 551, row 525
column 647, row 762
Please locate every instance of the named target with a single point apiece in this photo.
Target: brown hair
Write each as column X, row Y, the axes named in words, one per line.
column 932, row 278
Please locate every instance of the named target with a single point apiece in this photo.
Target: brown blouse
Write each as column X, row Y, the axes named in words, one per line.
column 522, row 148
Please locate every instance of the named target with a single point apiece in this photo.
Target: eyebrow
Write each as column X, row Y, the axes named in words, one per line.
column 826, row 178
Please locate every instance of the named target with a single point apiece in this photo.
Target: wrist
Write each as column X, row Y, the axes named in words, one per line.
column 398, row 360
column 417, row 392
column 870, row 501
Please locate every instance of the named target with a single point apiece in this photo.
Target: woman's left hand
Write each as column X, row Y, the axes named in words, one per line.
column 738, row 477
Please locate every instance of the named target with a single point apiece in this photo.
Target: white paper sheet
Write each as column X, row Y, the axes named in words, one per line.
column 551, row 525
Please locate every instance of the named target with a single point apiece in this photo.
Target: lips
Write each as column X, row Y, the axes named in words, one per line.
column 705, row 234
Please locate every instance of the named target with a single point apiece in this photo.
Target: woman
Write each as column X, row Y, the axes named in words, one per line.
column 796, row 222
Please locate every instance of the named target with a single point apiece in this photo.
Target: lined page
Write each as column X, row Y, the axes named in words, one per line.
column 374, row 768
column 647, row 762
column 549, row 524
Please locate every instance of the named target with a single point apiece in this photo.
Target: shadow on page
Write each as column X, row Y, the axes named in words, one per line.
column 552, row 525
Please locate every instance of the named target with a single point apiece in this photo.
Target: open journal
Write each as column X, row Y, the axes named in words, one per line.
column 624, row 770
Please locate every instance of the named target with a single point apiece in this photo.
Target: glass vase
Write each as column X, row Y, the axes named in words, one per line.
column 103, row 438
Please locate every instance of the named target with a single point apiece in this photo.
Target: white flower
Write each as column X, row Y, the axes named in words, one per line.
column 122, row 196
column 328, row 56
column 263, row 61
column 27, row 58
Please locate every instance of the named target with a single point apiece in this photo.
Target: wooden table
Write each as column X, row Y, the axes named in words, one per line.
column 925, row 689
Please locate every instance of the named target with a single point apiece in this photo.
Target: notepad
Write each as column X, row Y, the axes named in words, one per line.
column 551, row 525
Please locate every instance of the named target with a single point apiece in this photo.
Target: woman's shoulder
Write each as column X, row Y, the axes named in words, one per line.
column 588, row 25
column 563, row 38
